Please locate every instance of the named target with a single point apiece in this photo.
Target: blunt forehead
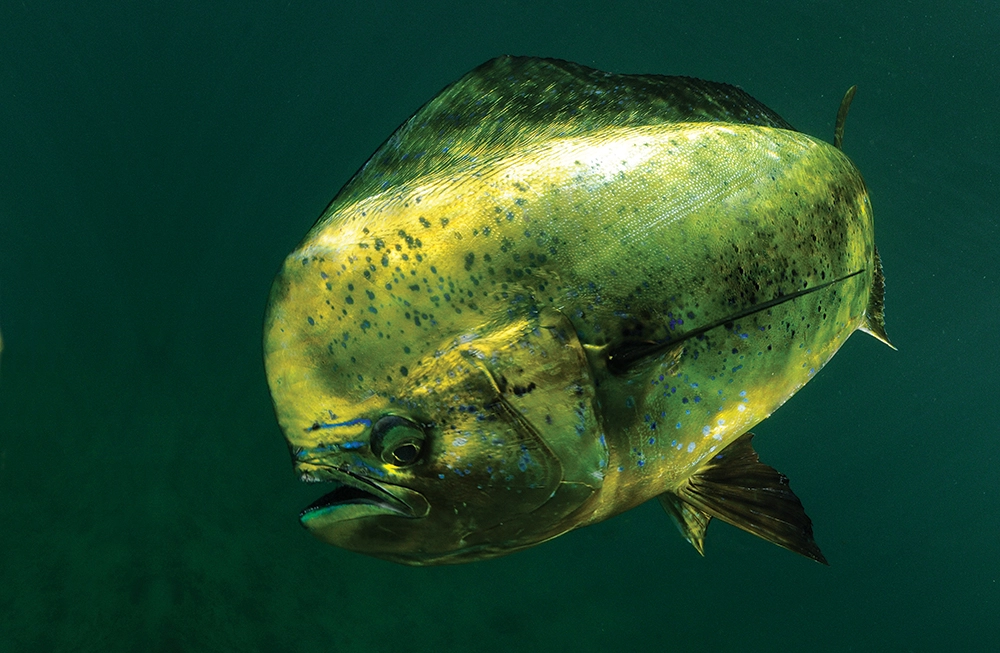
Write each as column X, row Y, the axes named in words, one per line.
column 342, row 310
column 352, row 314
column 383, row 284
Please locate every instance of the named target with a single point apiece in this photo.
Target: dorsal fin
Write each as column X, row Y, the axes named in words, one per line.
column 518, row 101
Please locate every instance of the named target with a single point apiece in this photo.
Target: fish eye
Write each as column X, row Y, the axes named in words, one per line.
column 397, row 440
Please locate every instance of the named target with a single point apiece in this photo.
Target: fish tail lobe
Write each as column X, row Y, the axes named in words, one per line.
column 737, row 488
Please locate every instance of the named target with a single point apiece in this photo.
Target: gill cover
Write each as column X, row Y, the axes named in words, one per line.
column 518, row 449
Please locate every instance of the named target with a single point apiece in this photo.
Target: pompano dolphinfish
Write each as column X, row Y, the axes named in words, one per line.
column 555, row 293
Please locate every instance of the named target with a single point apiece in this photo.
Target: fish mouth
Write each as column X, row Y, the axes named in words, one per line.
column 355, row 497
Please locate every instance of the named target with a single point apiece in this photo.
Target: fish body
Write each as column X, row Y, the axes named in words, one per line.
column 554, row 294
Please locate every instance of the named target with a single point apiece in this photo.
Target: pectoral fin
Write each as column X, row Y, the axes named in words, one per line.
column 737, row 488
column 691, row 521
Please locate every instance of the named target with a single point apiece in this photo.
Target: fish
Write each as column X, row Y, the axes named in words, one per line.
column 556, row 293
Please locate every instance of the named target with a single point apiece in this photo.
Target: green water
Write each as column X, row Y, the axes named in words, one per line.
column 159, row 159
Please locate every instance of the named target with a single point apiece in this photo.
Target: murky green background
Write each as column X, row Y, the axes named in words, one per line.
column 159, row 159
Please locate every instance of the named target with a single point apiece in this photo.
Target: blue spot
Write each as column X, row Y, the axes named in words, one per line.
column 441, row 476
column 706, row 430
column 352, row 422
column 697, row 399
column 678, row 426
column 311, row 321
column 641, row 463
column 522, row 464
column 652, row 440
column 621, row 469
column 354, row 444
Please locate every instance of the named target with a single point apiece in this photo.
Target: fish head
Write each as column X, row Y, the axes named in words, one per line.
column 436, row 451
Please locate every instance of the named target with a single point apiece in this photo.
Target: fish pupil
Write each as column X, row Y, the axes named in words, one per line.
column 405, row 454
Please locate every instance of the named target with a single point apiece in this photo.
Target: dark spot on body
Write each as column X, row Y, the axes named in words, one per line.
column 521, row 390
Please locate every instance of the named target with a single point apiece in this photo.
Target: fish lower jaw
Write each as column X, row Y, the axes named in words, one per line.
column 346, row 502
column 352, row 496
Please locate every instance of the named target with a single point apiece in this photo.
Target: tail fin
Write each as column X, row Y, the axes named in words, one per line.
column 875, row 313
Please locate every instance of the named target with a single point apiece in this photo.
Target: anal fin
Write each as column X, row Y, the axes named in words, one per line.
column 737, row 488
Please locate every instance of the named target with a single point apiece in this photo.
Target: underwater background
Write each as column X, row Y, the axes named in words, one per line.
column 159, row 159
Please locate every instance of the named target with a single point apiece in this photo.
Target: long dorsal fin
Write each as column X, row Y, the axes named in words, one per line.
column 518, row 101
column 737, row 488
